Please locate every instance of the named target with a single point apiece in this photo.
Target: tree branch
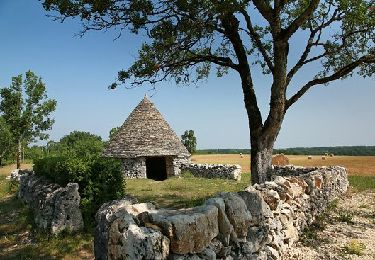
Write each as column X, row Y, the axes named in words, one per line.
column 293, row 27
column 336, row 75
column 256, row 39
column 265, row 10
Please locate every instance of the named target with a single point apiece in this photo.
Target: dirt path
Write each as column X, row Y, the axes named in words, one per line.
column 347, row 231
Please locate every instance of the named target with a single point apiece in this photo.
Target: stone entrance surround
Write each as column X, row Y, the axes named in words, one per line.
column 257, row 223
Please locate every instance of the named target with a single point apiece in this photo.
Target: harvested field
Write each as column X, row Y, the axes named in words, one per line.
column 357, row 165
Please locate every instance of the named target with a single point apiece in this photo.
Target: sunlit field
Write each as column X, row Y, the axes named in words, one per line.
column 356, row 165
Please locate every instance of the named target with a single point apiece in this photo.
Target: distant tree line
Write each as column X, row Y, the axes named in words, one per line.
column 336, row 150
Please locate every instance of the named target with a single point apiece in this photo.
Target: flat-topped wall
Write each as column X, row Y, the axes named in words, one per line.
column 213, row 171
column 257, row 223
column 55, row 208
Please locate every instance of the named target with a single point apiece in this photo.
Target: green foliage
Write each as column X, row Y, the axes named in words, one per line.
column 77, row 144
column 190, row 141
column 113, row 132
column 336, row 150
column 26, row 110
column 100, row 179
column 34, row 152
column 6, row 139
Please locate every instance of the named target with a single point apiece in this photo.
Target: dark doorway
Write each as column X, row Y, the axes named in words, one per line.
column 156, row 168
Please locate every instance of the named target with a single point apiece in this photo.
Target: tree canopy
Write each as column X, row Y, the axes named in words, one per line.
column 190, row 141
column 186, row 39
column 26, row 110
column 78, row 144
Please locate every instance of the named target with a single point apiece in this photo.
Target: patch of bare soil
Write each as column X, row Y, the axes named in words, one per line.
column 346, row 231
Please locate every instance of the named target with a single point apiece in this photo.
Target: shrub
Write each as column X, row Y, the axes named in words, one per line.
column 99, row 179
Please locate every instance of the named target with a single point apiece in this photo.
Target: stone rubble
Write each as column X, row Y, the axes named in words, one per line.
column 260, row 222
column 212, row 171
column 55, row 208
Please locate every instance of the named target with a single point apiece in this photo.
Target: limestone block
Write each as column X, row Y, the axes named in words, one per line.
column 237, row 213
column 191, row 230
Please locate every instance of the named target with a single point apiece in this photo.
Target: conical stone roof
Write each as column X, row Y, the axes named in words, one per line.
column 145, row 133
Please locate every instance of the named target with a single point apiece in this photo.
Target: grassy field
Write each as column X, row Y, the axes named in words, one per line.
column 187, row 191
column 18, row 239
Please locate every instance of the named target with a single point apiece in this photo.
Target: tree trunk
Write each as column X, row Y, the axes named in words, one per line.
column 19, row 151
column 1, row 160
column 261, row 161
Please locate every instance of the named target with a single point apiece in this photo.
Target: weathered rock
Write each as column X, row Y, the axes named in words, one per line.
column 237, row 213
column 190, row 230
column 256, row 205
column 117, row 235
column 225, row 227
column 55, row 208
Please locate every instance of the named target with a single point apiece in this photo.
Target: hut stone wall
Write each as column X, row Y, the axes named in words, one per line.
column 134, row 168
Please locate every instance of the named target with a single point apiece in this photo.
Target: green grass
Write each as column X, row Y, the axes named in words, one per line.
column 19, row 240
column 187, row 191
column 362, row 183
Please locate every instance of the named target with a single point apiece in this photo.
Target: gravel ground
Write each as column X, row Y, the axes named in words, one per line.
column 348, row 232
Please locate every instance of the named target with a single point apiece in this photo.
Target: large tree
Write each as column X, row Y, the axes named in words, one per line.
column 188, row 38
column 26, row 109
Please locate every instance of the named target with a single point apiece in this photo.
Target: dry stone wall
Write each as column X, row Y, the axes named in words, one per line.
column 55, row 208
column 257, row 223
column 212, row 171
column 134, row 168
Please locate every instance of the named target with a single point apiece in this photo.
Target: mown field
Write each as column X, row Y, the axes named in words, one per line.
column 356, row 165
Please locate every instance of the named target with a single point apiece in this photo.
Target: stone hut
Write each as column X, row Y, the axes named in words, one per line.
column 147, row 145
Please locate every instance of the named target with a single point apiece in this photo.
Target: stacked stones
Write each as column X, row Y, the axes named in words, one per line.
column 257, row 223
column 211, row 171
column 55, row 208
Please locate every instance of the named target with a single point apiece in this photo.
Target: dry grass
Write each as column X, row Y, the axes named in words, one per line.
column 357, row 165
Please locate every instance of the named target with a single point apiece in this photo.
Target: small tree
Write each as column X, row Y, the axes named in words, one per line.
column 26, row 110
column 80, row 144
column 5, row 139
column 190, row 141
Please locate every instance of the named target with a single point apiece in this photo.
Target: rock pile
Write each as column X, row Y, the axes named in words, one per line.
column 55, row 208
column 212, row 171
column 258, row 223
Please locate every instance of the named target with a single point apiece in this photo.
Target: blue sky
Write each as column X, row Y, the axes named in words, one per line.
column 78, row 70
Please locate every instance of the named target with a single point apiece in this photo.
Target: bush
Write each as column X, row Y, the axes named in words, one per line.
column 99, row 179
